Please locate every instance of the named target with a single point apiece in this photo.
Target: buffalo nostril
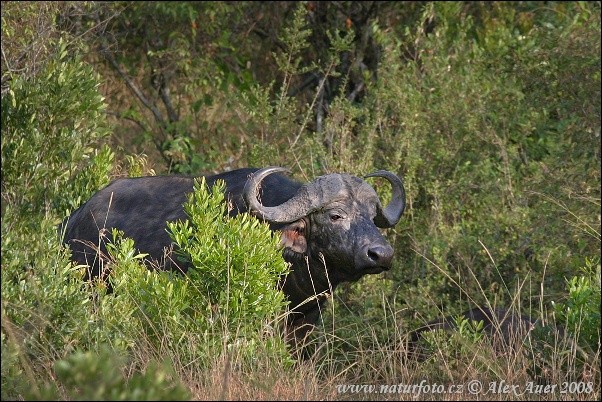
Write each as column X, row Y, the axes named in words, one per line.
column 380, row 255
column 373, row 255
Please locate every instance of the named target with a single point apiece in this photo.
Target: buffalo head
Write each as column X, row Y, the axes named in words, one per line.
column 330, row 230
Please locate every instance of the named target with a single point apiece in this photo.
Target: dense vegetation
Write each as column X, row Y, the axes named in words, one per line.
column 489, row 111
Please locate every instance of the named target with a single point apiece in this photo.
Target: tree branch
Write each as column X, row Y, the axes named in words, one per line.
column 133, row 87
column 161, row 83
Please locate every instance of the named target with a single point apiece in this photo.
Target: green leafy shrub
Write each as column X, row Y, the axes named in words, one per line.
column 50, row 124
column 580, row 313
column 228, row 302
column 237, row 263
column 570, row 348
column 102, row 375
column 52, row 120
column 12, row 371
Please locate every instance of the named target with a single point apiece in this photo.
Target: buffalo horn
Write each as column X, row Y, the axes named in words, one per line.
column 294, row 209
column 392, row 213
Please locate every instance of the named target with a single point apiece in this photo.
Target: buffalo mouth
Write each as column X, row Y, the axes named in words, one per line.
column 376, row 270
column 359, row 272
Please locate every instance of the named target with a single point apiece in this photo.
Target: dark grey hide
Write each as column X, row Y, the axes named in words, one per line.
column 329, row 227
column 506, row 329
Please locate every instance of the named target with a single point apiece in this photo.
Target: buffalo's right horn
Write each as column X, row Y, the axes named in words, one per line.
column 294, row 209
column 388, row 217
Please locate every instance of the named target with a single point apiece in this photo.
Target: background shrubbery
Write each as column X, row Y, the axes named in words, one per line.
column 490, row 112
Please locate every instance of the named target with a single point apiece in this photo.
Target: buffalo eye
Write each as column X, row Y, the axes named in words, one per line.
column 335, row 217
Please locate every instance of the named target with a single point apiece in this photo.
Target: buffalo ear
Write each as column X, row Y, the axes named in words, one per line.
column 293, row 237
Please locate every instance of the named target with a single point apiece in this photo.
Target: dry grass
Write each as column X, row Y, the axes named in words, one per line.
column 385, row 375
column 225, row 381
column 513, row 360
column 456, row 368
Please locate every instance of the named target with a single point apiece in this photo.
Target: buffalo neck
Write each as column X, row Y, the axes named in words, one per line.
column 307, row 283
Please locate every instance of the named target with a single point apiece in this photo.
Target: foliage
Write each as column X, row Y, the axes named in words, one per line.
column 489, row 111
column 467, row 339
column 476, row 145
column 179, row 62
column 580, row 313
column 51, row 121
column 29, row 37
column 235, row 276
column 49, row 124
column 101, row 376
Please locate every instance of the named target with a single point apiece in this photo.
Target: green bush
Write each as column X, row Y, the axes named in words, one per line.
column 51, row 125
column 90, row 376
column 102, row 376
column 52, row 120
column 580, row 313
column 228, row 302
column 237, row 264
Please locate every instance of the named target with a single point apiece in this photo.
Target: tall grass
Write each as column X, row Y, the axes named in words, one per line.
column 378, row 370
column 98, row 346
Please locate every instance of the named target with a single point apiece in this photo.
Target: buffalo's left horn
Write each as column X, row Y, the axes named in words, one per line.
column 388, row 217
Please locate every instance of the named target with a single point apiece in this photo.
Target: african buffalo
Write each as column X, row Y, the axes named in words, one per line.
column 329, row 227
column 506, row 329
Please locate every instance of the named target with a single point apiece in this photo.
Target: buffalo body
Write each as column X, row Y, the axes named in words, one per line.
column 329, row 227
